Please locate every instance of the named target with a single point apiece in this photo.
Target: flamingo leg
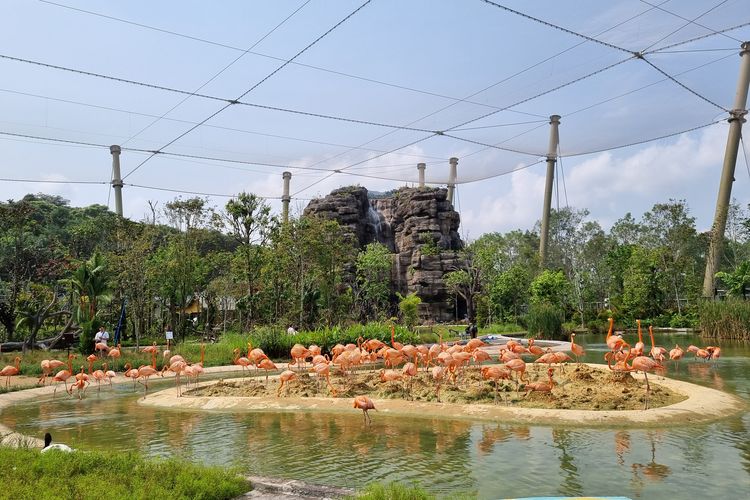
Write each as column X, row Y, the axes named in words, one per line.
column 648, row 390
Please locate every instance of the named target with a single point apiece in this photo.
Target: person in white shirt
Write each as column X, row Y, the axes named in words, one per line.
column 102, row 336
column 291, row 331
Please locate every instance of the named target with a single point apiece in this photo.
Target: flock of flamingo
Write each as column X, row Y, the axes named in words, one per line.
column 443, row 362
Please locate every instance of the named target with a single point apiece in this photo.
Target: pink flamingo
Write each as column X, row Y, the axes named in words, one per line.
column 266, row 364
column 115, row 355
column 240, row 360
column 64, row 375
column 364, row 403
column 495, row 373
column 144, row 372
column 48, row 366
column 11, row 371
column 575, row 348
column 639, row 346
column 656, row 352
column 645, row 365
column 285, row 378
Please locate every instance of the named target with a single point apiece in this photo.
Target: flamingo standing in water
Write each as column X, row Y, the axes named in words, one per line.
column 645, row 365
column 131, row 373
column 80, row 383
column 699, row 353
column 110, row 374
column 64, row 375
column 98, row 375
column 657, row 352
column 576, row 349
column 115, row 355
column 10, row 371
column 676, row 354
column 615, row 342
column 144, row 372
column 639, row 346
column 364, row 403
column 48, row 366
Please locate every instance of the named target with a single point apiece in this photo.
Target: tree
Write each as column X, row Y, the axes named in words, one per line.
column 374, row 279
column 466, row 282
column 737, row 280
column 36, row 310
column 550, row 287
column 642, row 296
column 409, row 307
column 90, row 285
column 248, row 219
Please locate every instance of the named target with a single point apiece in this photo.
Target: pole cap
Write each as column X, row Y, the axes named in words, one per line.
column 287, row 175
column 453, row 161
column 421, row 166
column 115, row 149
column 554, row 118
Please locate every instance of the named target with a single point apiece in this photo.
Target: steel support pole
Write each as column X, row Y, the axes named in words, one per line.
column 736, row 119
column 285, row 198
column 421, row 167
column 116, row 180
column 452, row 178
column 554, row 140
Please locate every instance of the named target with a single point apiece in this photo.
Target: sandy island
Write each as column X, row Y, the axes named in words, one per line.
column 700, row 405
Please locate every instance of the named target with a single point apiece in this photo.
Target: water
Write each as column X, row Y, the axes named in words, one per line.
column 374, row 219
column 445, row 456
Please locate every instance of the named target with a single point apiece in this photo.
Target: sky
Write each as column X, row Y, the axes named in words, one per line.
column 358, row 92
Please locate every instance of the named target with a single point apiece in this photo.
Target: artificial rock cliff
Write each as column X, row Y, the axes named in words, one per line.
column 419, row 227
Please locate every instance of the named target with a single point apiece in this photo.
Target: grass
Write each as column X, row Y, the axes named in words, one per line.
column 398, row 491
column 27, row 473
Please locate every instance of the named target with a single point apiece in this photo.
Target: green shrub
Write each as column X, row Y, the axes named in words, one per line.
column 544, row 321
column 409, row 307
column 26, row 473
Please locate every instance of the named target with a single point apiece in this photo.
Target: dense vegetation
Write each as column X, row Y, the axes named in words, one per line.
column 26, row 473
column 237, row 269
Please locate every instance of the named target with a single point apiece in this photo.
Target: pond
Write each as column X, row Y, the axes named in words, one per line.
column 444, row 456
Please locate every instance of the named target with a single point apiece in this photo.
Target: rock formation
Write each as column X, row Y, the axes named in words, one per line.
column 420, row 228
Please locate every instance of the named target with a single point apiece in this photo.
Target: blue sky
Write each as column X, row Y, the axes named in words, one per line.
column 425, row 65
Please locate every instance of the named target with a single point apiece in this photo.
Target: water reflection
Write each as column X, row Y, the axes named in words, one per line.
column 622, row 446
column 563, row 440
column 651, row 471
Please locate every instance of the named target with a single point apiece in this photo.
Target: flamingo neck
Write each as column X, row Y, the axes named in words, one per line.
column 203, row 351
column 640, row 336
column 393, row 335
column 70, row 363
column 651, row 334
column 611, row 327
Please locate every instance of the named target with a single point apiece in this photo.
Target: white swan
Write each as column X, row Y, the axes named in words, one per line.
column 58, row 447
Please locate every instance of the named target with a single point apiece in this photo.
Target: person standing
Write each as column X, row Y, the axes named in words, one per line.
column 102, row 336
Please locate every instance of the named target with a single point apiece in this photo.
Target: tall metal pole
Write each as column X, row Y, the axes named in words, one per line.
column 554, row 140
column 452, row 178
column 116, row 180
column 736, row 119
column 285, row 197
column 421, row 167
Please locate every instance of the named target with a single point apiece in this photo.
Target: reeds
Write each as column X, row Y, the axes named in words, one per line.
column 544, row 321
column 729, row 319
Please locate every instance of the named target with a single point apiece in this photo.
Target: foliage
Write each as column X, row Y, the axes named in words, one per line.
column 373, row 279
column 544, row 321
column 409, row 307
column 550, row 287
column 429, row 248
column 26, row 473
column 736, row 280
column 729, row 319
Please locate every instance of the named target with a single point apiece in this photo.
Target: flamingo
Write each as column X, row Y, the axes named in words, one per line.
column 364, row 403
column 480, row 356
column 131, row 373
column 255, row 355
column 91, row 358
column 656, row 352
column 615, row 342
column 242, row 361
column 10, row 371
column 110, row 374
column 495, row 373
column 390, row 376
column 645, row 365
column 177, row 367
column 518, row 366
column 324, row 370
column 474, row 344
column 542, row 386
column 677, row 353
column 115, row 355
column 100, row 348
column 285, row 377
column 80, row 383
column 300, row 353
column 639, row 346
column 714, row 352
column 576, row 349
column 438, row 373
column 64, row 375
column 409, row 371
column 144, row 372
column 699, row 353
column 48, row 366
column 98, row 375
column 267, row 365
column 534, row 349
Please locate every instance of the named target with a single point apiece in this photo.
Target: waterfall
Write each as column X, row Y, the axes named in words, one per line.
column 374, row 219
